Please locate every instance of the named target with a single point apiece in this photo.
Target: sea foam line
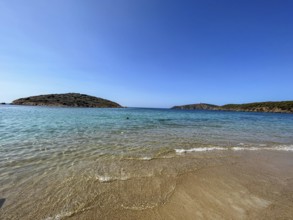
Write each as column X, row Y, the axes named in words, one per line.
column 199, row 149
column 203, row 149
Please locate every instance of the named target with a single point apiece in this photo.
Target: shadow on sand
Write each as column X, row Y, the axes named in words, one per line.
column 2, row 202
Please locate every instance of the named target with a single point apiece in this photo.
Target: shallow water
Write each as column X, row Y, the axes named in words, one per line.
column 56, row 162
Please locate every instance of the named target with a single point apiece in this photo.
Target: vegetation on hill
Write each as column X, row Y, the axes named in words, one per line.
column 285, row 106
column 282, row 107
column 67, row 100
column 200, row 106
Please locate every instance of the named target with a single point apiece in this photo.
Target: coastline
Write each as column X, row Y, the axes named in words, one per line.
column 269, row 106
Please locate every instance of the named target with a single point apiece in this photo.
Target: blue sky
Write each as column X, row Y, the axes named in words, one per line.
column 149, row 53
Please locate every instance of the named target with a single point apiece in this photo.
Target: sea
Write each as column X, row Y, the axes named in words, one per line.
column 60, row 162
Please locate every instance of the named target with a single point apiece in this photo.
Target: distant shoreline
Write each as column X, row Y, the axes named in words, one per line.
column 86, row 101
column 273, row 107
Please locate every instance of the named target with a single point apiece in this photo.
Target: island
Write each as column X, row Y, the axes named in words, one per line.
column 67, row 100
column 199, row 106
column 278, row 107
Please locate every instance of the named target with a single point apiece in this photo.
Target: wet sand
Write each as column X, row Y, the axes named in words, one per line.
column 259, row 185
column 241, row 185
column 199, row 185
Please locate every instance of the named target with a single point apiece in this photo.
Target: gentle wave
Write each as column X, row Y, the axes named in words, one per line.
column 60, row 216
column 105, row 179
column 108, row 178
column 139, row 208
column 199, row 149
column 145, row 158
column 203, row 149
column 276, row 148
column 139, row 158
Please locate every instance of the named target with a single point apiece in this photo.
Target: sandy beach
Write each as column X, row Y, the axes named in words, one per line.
column 197, row 185
column 240, row 185
column 257, row 186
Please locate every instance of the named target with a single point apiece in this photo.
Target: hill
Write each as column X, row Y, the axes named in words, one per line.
column 281, row 107
column 200, row 106
column 67, row 100
column 285, row 106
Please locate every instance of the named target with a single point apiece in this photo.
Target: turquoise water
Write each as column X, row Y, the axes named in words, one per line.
column 34, row 133
column 37, row 135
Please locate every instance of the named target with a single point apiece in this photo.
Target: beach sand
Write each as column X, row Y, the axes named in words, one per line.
column 240, row 185
column 258, row 186
column 199, row 185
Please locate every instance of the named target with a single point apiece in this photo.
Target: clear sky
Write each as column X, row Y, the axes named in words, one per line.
column 149, row 53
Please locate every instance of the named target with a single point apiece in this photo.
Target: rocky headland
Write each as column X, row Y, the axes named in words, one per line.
column 278, row 107
column 67, row 100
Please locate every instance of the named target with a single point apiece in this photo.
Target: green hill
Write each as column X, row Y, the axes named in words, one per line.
column 281, row 107
column 285, row 106
column 200, row 106
column 67, row 100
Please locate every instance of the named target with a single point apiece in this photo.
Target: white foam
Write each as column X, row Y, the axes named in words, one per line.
column 146, row 158
column 60, row 216
column 276, row 148
column 284, row 148
column 202, row 149
column 245, row 148
column 105, row 179
column 199, row 149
